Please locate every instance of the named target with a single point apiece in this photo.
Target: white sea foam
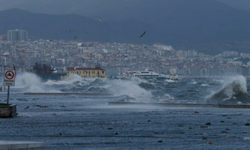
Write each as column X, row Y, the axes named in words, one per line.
column 170, row 81
column 28, row 82
column 233, row 89
column 129, row 88
column 204, row 85
column 238, row 79
column 246, row 138
column 69, row 80
column 193, row 82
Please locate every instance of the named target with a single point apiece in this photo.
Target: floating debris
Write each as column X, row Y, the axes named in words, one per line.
column 208, row 142
column 27, row 107
column 208, row 124
column 160, row 141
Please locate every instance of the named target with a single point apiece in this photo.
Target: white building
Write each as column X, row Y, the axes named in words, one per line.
column 17, row 35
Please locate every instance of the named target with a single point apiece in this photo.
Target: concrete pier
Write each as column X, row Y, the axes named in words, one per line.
column 7, row 111
column 19, row 145
column 180, row 105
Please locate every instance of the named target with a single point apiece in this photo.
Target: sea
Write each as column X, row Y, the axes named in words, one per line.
column 218, row 90
column 74, row 113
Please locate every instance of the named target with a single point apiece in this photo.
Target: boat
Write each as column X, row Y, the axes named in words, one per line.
column 118, row 77
column 149, row 74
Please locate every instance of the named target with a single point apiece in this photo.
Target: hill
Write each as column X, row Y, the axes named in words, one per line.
column 207, row 26
column 71, row 27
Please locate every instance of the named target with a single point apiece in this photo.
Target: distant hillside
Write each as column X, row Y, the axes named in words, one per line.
column 72, row 27
column 205, row 25
column 239, row 4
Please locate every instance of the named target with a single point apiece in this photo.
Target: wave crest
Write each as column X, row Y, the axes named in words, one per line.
column 233, row 92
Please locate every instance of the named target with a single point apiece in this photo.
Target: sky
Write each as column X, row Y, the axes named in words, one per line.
column 174, row 21
column 88, row 7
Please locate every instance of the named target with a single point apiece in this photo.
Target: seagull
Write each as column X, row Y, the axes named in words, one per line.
column 27, row 107
column 143, row 34
column 100, row 19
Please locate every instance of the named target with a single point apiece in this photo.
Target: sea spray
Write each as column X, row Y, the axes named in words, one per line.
column 28, row 82
column 66, row 81
column 131, row 89
column 233, row 91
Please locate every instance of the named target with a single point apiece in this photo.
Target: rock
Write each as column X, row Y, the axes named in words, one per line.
column 247, row 124
column 155, row 132
column 208, row 142
column 203, row 126
column 27, row 107
column 223, row 131
column 160, row 141
column 42, row 106
column 208, row 124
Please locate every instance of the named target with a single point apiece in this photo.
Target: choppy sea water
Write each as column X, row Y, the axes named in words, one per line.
column 224, row 90
column 88, row 122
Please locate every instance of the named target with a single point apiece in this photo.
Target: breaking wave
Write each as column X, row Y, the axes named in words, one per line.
column 233, row 92
column 28, row 82
column 131, row 89
column 228, row 91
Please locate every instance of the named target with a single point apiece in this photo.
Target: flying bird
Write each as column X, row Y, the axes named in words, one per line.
column 143, row 34
column 100, row 18
column 75, row 37
column 27, row 107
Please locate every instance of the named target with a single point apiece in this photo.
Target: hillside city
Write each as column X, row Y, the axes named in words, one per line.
column 116, row 58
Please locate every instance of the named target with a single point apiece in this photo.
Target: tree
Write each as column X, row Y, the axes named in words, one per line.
column 42, row 70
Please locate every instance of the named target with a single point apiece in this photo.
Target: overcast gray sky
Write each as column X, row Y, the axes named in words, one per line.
column 88, row 7
column 169, row 21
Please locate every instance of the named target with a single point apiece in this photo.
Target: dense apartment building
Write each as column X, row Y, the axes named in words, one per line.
column 87, row 72
column 17, row 35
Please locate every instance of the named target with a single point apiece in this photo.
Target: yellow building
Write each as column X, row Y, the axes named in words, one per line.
column 87, row 72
